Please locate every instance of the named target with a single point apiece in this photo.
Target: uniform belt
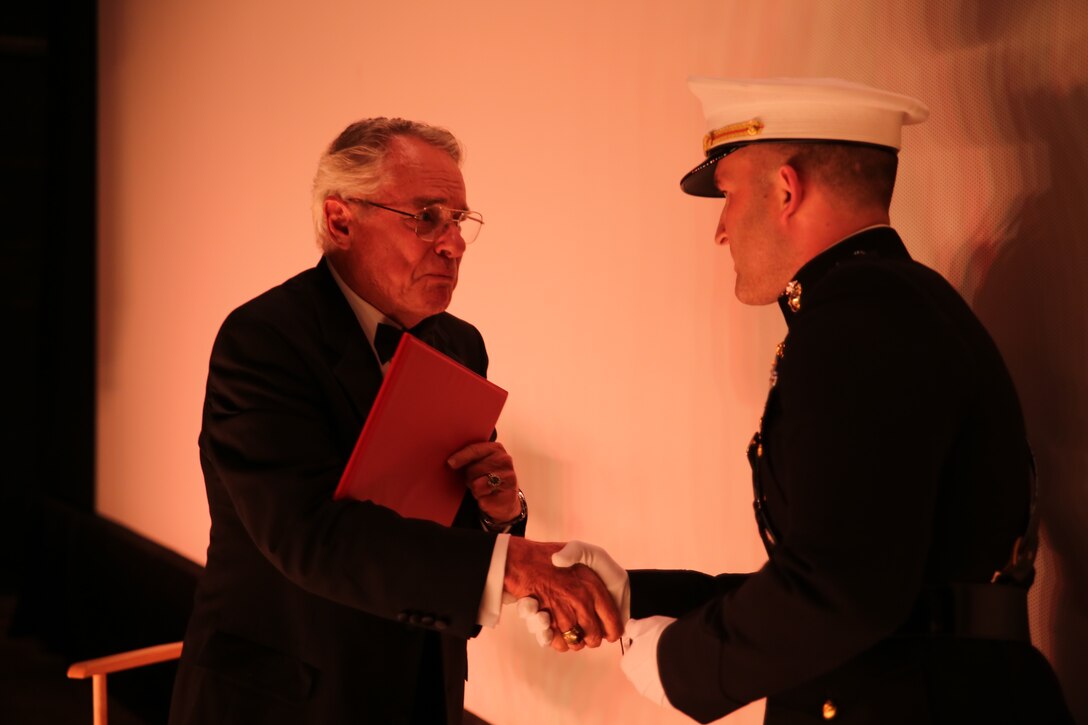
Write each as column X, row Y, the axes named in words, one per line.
column 980, row 611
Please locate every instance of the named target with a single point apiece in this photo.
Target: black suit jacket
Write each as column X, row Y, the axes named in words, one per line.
column 312, row 610
column 893, row 464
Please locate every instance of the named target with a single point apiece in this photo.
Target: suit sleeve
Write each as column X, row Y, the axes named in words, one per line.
column 863, row 417
column 273, row 448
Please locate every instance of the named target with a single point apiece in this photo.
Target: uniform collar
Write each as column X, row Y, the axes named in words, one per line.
column 881, row 241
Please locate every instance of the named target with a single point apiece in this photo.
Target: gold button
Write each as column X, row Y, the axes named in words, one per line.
column 830, row 711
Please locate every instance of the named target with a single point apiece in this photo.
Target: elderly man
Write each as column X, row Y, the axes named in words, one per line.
column 315, row 610
column 894, row 485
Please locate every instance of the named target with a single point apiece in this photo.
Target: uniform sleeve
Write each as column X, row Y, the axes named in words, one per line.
column 856, row 430
column 273, row 449
column 675, row 592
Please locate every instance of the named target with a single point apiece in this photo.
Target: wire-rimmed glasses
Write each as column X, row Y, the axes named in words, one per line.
column 432, row 221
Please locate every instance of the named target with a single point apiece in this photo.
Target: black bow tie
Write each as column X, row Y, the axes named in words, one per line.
column 387, row 337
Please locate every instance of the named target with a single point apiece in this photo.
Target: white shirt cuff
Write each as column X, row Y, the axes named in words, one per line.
column 491, row 602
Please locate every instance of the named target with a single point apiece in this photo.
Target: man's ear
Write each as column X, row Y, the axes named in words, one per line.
column 791, row 191
column 338, row 221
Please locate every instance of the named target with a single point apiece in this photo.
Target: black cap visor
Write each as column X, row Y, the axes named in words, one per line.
column 700, row 180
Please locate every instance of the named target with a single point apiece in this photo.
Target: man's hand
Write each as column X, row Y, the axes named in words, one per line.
column 639, row 661
column 488, row 472
column 612, row 574
column 537, row 621
column 570, row 595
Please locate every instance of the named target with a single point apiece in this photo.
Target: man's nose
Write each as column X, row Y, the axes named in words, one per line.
column 450, row 243
column 720, row 237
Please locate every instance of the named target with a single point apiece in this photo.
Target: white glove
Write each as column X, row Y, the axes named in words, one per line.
column 539, row 623
column 639, row 661
column 613, row 575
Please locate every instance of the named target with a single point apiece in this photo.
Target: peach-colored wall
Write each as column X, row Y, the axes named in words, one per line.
column 635, row 378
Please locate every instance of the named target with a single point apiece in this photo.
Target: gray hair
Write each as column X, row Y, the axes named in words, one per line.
column 354, row 164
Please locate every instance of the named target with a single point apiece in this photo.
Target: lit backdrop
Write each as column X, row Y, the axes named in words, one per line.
column 635, row 378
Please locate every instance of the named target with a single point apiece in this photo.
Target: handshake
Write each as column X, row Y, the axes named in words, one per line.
column 571, row 596
column 575, row 595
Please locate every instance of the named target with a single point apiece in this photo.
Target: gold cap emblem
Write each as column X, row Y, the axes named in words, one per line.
column 731, row 132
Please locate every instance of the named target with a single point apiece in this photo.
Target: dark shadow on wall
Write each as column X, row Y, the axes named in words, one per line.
column 1032, row 299
column 1026, row 271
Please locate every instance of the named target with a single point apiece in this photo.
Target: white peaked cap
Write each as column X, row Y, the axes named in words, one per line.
column 740, row 112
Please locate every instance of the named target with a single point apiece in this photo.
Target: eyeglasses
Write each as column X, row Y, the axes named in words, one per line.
column 432, row 221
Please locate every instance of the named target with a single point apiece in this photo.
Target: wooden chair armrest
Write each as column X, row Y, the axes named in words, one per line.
column 125, row 660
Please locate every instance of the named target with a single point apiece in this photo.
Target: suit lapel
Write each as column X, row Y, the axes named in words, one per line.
column 351, row 358
column 357, row 370
column 435, row 334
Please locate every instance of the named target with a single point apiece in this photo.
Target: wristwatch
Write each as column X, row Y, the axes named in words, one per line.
column 487, row 522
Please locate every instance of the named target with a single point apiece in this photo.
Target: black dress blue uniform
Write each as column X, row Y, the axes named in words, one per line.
column 893, row 481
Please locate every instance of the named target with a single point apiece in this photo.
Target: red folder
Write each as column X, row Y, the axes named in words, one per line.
column 428, row 407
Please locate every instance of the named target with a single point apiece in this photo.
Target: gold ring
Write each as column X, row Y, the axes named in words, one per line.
column 573, row 635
